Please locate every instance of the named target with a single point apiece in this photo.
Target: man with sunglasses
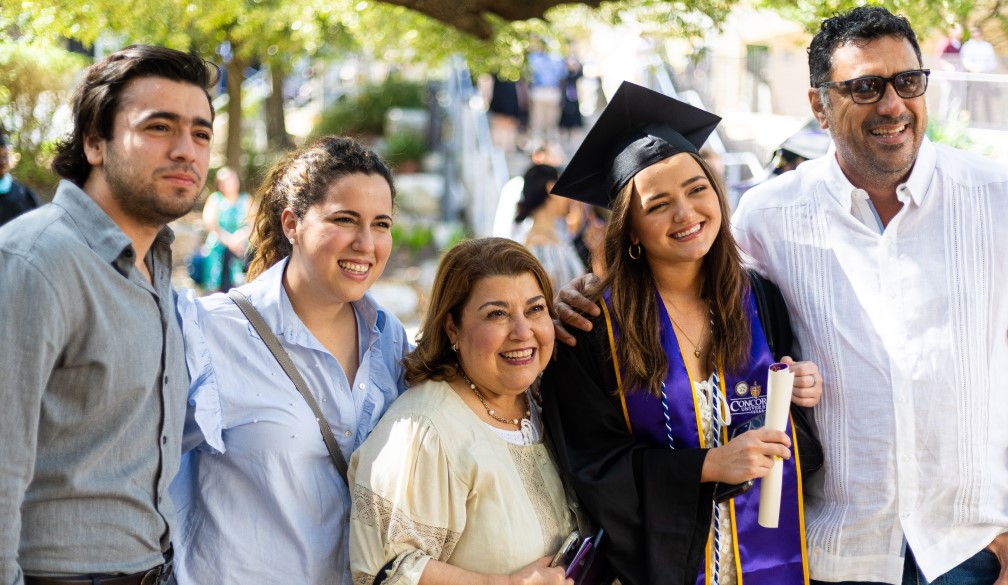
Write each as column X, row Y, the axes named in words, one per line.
column 891, row 255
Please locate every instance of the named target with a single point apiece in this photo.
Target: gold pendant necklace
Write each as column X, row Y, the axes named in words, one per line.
column 492, row 412
column 696, row 346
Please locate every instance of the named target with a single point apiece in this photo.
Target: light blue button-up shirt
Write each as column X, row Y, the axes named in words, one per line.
column 259, row 499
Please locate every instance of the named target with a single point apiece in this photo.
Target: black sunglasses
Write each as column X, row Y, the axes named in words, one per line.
column 871, row 88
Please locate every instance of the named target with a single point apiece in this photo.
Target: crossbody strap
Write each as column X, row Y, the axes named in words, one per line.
column 288, row 366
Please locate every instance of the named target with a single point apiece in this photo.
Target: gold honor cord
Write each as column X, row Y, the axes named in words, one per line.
column 615, row 361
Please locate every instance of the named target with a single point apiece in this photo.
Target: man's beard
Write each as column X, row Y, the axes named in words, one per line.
column 138, row 196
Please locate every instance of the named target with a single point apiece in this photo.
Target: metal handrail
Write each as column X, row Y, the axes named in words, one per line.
column 475, row 169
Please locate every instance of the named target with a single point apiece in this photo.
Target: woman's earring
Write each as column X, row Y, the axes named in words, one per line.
column 634, row 255
column 454, row 347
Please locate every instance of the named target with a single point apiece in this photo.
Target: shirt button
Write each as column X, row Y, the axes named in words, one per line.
column 164, row 440
column 346, row 434
column 362, row 386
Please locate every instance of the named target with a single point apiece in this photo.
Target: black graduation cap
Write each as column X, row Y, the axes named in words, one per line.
column 638, row 128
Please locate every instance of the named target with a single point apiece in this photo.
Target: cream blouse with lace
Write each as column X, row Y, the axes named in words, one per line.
column 433, row 481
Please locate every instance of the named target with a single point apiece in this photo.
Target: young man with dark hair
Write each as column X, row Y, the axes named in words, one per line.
column 891, row 256
column 95, row 381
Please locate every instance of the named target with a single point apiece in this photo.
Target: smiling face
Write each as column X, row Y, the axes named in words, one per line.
column 153, row 167
column 504, row 334
column 675, row 214
column 876, row 144
column 343, row 242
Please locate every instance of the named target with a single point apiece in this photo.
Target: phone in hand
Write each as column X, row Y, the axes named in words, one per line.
column 583, row 555
column 727, row 491
column 567, row 550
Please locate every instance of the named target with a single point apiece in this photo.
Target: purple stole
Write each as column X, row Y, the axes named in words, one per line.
column 765, row 556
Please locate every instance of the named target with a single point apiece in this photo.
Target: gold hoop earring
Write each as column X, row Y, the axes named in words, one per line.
column 630, row 251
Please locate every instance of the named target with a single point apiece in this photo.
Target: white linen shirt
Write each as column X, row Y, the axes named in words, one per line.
column 909, row 327
column 259, row 499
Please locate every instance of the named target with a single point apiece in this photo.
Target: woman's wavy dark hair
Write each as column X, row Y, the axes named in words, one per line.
column 300, row 180
column 460, row 269
column 643, row 362
column 535, row 189
column 97, row 97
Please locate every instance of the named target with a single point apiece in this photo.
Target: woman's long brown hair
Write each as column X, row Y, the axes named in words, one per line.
column 644, row 364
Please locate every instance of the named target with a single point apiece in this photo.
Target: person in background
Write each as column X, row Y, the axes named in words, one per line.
column 15, row 197
column 226, row 216
column 504, row 226
column 508, row 109
column 977, row 56
column 948, row 60
column 93, row 364
column 589, row 230
column 260, row 496
column 546, row 72
column 547, row 237
column 571, row 120
column 657, row 412
column 455, row 484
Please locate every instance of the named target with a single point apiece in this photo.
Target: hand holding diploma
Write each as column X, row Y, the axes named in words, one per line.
column 779, row 386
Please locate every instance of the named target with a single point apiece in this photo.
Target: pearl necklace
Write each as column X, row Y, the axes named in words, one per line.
column 492, row 412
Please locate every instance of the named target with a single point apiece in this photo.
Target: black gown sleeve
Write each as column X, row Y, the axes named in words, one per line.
column 649, row 499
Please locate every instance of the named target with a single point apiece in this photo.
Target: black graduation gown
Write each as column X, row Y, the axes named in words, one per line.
column 650, row 500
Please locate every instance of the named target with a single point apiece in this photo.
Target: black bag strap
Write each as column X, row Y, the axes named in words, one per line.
column 288, row 366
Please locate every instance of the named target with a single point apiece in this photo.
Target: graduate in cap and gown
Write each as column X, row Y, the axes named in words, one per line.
column 657, row 412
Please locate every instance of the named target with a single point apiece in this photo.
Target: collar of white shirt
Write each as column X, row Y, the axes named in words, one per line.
column 915, row 188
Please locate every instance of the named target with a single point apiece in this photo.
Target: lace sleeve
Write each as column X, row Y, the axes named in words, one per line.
column 407, row 507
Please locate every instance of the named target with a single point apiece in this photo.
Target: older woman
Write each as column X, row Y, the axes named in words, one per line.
column 260, row 494
column 455, row 485
column 657, row 412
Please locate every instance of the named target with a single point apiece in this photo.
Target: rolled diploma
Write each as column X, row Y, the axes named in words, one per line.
column 779, row 385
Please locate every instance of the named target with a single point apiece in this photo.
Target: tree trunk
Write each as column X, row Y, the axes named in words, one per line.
column 235, row 75
column 276, row 125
